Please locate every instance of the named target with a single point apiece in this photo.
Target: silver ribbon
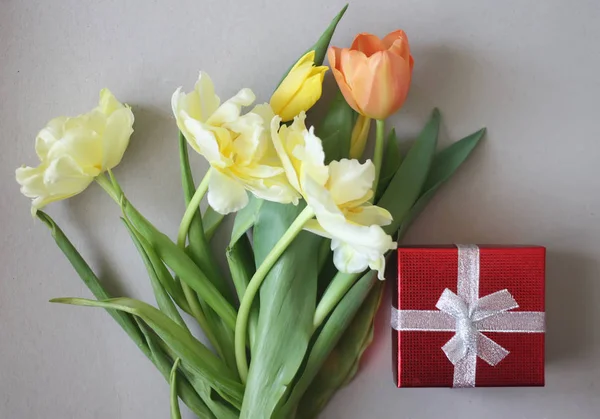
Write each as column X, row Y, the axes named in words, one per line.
column 468, row 316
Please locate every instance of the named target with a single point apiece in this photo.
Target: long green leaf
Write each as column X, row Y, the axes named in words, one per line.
column 216, row 406
column 406, row 185
column 287, row 305
column 444, row 165
column 211, row 221
column 336, row 128
column 162, row 297
column 195, row 356
column 181, row 264
column 92, row 282
column 125, row 320
column 245, row 219
column 327, row 338
column 391, row 162
column 164, row 364
column 175, row 413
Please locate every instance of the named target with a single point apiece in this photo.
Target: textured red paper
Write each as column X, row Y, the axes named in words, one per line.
column 424, row 272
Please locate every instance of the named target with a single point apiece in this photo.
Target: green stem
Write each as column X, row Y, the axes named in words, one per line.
column 378, row 153
column 108, row 187
column 339, row 286
column 241, row 326
column 189, row 293
column 191, row 209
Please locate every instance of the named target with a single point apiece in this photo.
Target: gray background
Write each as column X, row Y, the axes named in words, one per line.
column 528, row 70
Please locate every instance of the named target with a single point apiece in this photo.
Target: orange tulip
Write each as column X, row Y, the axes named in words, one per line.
column 374, row 74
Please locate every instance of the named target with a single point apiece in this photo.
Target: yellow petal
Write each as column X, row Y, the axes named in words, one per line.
column 226, row 195
column 304, row 98
column 119, row 127
column 349, row 180
column 108, row 102
column 230, row 110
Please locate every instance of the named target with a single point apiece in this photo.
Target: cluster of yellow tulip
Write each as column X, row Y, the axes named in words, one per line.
column 373, row 75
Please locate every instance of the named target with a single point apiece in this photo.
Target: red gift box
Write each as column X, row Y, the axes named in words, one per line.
column 466, row 316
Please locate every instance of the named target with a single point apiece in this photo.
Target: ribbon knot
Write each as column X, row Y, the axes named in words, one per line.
column 468, row 316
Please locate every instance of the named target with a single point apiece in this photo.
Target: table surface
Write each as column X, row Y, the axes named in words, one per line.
column 528, row 70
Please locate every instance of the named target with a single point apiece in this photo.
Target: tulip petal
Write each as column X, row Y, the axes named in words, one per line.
column 203, row 102
column 275, row 189
column 370, row 215
column 231, row 109
column 349, row 180
column 368, row 44
column 397, row 43
column 279, row 136
column 306, row 97
column 202, row 139
column 347, row 259
column 225, row 195
column 48, row 136
column 119, row 127
column 108, row 102
column 312, row 156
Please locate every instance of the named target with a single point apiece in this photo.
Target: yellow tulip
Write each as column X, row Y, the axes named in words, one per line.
column 236, row 146
column 339, row 196
column 300, row 89
column 360, row 133
column 74, row 150
column 344, row 215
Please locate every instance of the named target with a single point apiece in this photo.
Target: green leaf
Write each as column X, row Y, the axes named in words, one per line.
column 342, row 363
column 445, row 163
column 125, row 320
column 336, row 128
column 211, row 220
column 216, row 407
column 327, row 338
column 287, row 305
column 245, row 219
column 406, row 185
column 391, row 162
column 184, row 267
column 149, row 258
column 175, row 413
column 92, row 282
column 320, row 47
column 164, row 364
column 195, row 356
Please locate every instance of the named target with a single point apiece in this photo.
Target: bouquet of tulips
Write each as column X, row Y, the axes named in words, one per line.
column 313, row 224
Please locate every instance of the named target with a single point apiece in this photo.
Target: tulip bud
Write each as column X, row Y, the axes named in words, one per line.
column 360, row 133
column 300, row 89
column 374, row 74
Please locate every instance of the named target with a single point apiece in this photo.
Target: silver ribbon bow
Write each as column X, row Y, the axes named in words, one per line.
column 469, row 316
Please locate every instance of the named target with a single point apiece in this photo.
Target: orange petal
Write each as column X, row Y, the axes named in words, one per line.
column 381, row 88
column 333, row 54
column 368, row 43
column 397, row 42
column 345, row 89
